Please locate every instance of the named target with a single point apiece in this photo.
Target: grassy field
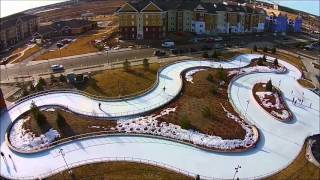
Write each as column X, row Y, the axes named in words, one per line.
column 82, row 45
column 301, row 168
column 306, row 83
column 28, row 53
column 112, row 83
column 119, row 171
column 74, row 125
column 198, row 97
column 288, row 58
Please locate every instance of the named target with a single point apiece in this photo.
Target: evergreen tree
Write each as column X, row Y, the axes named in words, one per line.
column 61, row 122
column 146, row 64
column 264, row 58
column 31, row 87
column 126, row 65
column 185, row 123
column 205, row 55
column 275, row 62
column 269, row 86
column 62, row 78
column 222, row 74
column 38, row 116
column 215, row 54
column 273, row 50
column 265, row 49
column 255, row 49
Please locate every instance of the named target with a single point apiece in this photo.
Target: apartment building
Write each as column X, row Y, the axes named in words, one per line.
column 16, row 28
column 280, row 22
column 153, row 19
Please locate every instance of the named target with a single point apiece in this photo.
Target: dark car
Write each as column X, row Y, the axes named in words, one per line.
column 159, row 53
column 205, row 48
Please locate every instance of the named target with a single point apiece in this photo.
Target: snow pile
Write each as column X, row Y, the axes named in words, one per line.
column 190, row 73
column 278, row 105
column 150, row 125
column 47, row 109
column 25, row 140
column 262, row 69
column 266, row 101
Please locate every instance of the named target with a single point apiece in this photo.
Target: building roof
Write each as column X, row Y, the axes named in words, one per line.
column 73, row 23
column 208, row 6
column 11, row 20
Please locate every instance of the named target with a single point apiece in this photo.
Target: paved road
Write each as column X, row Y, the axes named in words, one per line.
column 279, row 142
column 30, row 68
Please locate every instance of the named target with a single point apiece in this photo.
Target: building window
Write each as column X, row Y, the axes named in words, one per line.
column 132, row 23
column 132, row 16
column 147, row 23
column 132, row 29
column 146, row 29
column 147, row 16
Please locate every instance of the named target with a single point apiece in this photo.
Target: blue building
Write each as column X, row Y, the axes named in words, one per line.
column 281, row 23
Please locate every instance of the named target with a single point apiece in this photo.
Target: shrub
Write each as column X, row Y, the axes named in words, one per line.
column 273, row 50
column 222, row 74
column 25, row 91
column 126, row 65
column 31, row 87
column 210, row 78
column 205, row 55
column 185, row 123
column 265, row 49
column 38, row 116
column 62, row 78
column 269, row 86
column 214, row 90
column 264, row 58
column 42, row 81
column 215, row 54
column 53, row 79
column 260, row 62
column 275, row 62
column 146, row 64
column 255, row 49
column 206, row 112
column 39, row 87
column 61, row 122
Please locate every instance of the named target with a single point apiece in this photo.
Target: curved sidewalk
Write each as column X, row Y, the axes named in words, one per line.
column 280, row 142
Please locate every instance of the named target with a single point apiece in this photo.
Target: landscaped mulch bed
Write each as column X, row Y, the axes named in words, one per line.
column 272, row 102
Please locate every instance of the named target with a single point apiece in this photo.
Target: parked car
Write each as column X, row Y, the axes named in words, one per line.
column 205, row 48
column 192, row 50
column 217, row 39
column 57, row 68
column 174, row 51
column 168, row 44
column 159, row 53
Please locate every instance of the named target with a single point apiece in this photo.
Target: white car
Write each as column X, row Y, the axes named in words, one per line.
column 57, row 67
column 116, row 48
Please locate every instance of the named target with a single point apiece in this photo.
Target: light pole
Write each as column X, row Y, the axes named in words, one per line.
column 62, row 154
column 236, row 171
column 248, row 101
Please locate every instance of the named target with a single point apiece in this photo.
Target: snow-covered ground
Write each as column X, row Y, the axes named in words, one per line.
column 262, row 69
column 150, row 125
column 189, row 74
column 25, row 140
column 278, row 146
column 277, row 105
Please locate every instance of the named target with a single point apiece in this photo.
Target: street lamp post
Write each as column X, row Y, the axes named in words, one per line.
column 236, row 171
column 62, row 154
column 248, row 101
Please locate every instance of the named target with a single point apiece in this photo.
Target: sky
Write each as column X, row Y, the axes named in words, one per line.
column 9, row 7
column 310, row 6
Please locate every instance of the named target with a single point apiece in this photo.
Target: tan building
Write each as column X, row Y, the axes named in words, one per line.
column 152, row 19
column 16, row 28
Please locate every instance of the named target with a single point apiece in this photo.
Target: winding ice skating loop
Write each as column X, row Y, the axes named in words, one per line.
column 279, row 144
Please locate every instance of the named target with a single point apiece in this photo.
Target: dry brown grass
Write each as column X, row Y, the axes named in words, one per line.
column 75, row 124
column 288, row 58
column 300, row 169
column 195, row 98
column 112, row 83
column 119, row 171
column 28, row 53
column 306, row 83
column 82, row 45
